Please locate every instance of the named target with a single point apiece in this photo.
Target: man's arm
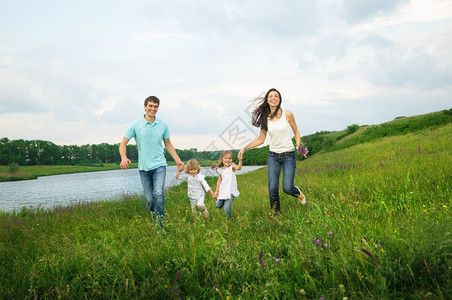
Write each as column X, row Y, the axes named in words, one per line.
column 170, row 148
column 123, row 152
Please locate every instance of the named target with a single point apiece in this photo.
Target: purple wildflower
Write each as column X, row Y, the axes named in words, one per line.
column 303, row 150
column 370, row 255
column 260, row 260
column 330, row 233
column 325, row 245
column 176, row 292
column 263, row 265
column 317, row 242
column 277, row 259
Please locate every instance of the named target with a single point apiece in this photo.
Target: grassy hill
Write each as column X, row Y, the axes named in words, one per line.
column 355, row 134
column 377, row 225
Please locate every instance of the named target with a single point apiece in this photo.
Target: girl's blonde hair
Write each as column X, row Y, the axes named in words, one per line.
column 219, row 163
column 192, row 164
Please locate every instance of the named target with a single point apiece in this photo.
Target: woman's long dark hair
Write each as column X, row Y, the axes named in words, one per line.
column 261, row 113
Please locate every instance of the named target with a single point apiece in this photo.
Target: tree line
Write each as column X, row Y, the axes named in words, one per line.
column 39, row 152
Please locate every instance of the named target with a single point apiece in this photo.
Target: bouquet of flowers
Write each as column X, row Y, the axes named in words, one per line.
column 303, row 150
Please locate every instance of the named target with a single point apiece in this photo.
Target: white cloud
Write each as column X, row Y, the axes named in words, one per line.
column 83, row 71
column 410, row 12
column 155, row 36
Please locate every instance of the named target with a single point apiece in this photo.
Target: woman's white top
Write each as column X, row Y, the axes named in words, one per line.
column 281, row 134
column 228, row 184
column 195, row 185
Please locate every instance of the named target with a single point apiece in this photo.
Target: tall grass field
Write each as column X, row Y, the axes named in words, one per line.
column 377, row 225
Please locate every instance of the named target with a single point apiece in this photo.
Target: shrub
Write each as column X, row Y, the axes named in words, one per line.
column 352, row 128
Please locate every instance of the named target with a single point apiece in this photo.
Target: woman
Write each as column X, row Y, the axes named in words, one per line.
column 279, row 124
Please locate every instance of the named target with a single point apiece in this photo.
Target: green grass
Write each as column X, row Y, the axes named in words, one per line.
column 381, row 208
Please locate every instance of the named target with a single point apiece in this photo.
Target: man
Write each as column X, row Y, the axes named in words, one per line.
column 149, row 132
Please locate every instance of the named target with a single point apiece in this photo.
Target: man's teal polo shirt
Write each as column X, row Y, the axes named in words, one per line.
column 149, row 139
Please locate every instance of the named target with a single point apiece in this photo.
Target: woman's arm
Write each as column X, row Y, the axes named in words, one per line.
column 257, row 142
column 290, row 117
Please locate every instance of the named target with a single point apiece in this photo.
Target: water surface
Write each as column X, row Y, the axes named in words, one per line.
column 62, row 190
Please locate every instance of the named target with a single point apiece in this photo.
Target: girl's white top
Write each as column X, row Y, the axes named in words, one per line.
column 195, row 185
column 281, row 134
column 228, row 184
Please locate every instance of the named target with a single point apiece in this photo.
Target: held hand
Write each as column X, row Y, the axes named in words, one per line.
column 180, row 166
column 240, row 154
column 125, row 163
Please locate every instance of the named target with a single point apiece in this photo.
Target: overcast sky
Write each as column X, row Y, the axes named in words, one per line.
column 77, row 72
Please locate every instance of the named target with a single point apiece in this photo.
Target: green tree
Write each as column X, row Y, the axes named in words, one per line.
column 352, row 128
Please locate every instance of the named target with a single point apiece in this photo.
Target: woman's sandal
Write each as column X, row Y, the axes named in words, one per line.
column 301, row 197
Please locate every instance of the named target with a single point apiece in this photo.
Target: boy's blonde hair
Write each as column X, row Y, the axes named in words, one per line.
column 192, row 164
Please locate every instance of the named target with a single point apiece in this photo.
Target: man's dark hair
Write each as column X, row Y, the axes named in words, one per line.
column 152, row 99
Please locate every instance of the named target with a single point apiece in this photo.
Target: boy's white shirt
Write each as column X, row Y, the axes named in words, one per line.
column 195, row 185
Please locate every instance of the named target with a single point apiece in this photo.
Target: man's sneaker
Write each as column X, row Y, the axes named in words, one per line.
column 301, row 196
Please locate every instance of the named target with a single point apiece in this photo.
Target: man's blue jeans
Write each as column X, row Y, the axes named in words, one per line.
column 153, row 182
column 287, row 162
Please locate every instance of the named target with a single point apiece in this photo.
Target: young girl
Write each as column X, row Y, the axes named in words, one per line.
column 280, row 126
column 195, row 182
column 226, row 190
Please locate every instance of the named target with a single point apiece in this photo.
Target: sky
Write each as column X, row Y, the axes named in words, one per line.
column 77, row 72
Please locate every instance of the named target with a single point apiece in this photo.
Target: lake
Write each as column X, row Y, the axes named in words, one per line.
column 63, row 190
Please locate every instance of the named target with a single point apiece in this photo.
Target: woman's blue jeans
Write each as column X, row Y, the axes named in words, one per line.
column 153, row 182
column 287, row 162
